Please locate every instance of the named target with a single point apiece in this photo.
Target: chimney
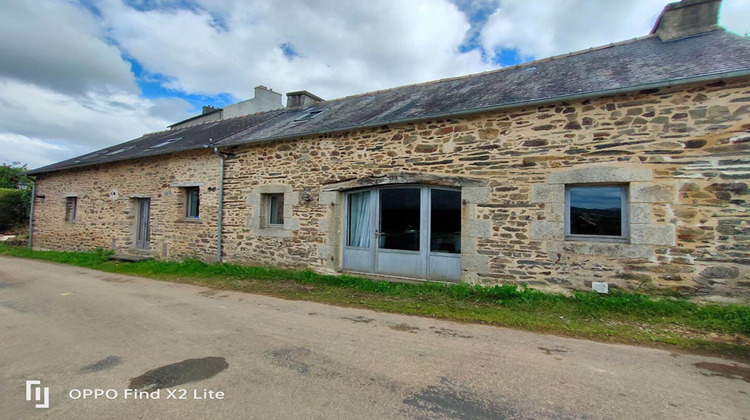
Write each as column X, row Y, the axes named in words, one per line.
column 207, row 109
column 301, row 99
column 267, row 98
column 687, row 18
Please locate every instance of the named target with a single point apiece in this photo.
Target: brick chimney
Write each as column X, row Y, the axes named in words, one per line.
column 301, row 99
column 687, row 18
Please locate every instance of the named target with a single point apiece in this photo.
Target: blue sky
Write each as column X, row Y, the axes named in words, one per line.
column 79, row 75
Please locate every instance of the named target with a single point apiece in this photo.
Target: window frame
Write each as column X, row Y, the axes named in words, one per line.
column 268, row 217
column 71, row 211
column 624, row 215
column 188, row 203
column 425, row 217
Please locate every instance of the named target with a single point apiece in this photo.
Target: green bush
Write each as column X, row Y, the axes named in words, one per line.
column 12, row 208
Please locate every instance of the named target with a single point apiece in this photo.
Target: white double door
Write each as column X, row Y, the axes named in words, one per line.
column 406, row 231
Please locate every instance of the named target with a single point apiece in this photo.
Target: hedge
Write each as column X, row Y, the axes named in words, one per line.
column 12, row 208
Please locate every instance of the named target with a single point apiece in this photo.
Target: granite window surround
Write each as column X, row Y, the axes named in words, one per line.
column 258, row 220
column 642, row 192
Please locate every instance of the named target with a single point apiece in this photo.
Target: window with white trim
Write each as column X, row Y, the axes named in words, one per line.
column 596, row 212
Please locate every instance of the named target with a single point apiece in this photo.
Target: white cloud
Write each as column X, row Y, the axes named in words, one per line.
column 542, row 28
column 735, row 16
column 59, row 45
column 31, row 151
column 60, row 126
column 344, row 47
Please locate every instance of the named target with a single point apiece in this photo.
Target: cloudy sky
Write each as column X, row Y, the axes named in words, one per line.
column 79, row 75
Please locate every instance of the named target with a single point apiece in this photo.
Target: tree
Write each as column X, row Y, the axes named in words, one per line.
column 11, row 176
column 15, row 201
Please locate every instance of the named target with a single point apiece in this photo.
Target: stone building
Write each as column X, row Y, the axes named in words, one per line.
column 625, row 164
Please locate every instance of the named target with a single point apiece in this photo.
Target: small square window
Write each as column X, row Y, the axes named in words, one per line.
column 192, row 202
column 71, row 209
column 596, row 212
column 275, row 209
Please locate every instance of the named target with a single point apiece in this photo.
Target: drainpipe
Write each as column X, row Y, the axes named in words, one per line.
column 220, row 215
column 31, row 211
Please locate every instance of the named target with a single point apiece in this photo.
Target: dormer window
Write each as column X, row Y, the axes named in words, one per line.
column 310, row 115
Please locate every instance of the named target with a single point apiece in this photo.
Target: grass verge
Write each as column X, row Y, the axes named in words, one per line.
column 675, row 324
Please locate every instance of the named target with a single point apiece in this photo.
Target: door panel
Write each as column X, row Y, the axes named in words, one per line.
column 444, row 266
column 404, row 231
column 406, row 264
column 143, row 230
column 400, row 219
column 445, row 221
column 359, row 247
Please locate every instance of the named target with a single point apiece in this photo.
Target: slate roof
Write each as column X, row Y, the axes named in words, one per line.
column 637, row 64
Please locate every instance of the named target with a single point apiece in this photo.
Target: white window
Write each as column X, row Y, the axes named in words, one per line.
column 274, row 204
column 192, row 202
column 596, row 212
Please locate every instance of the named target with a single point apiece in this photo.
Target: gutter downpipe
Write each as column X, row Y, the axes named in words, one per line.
column 31, row 212
column 220, row 215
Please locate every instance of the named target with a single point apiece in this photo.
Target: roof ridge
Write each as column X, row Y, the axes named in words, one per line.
column 175, row 130
column 498, row 70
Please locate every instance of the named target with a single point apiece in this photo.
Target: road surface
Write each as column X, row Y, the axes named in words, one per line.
column 236, row 355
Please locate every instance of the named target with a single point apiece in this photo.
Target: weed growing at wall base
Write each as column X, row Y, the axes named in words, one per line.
column 619, row 317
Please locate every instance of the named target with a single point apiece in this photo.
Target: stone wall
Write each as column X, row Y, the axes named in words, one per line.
column 107, row 212
column 683, row 152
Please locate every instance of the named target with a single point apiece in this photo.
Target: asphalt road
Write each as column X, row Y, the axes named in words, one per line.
column 75, row 329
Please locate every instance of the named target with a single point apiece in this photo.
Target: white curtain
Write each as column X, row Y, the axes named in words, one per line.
column 359, row 219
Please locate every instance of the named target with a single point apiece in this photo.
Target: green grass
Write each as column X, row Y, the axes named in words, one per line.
column 618, row 317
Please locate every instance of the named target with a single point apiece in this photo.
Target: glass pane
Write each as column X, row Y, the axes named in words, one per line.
column 359, row 220
column 399, row 218
column 445, row 221
column 596, row 211
column 276, row 209
column 193, row 202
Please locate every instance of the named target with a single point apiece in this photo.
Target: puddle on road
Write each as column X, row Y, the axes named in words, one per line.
column 190, row 370
column 549, row 352
column 357, row 319
column 103, row 364
column 212, row 293
column 305, row 362
column 734, row 371
column 13, row 306
column 447, row 332
column 450, row 400
column 404, row 328
column 116, row 279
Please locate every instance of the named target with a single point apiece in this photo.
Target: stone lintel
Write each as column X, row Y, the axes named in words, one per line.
column 404, row 178
column 600, row 174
